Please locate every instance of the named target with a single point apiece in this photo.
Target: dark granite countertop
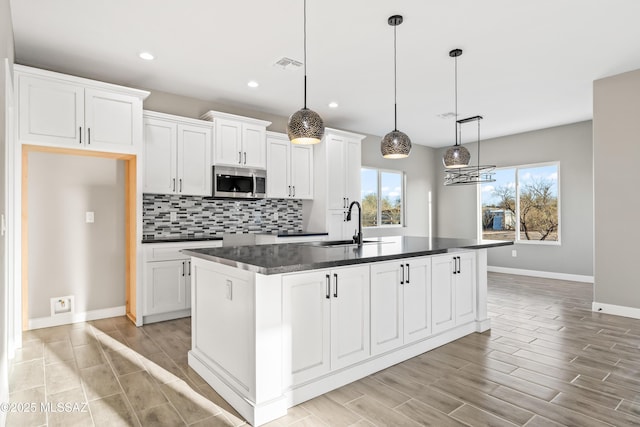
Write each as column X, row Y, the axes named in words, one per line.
column 149, row 238
column 290, row 257
column 294, row 233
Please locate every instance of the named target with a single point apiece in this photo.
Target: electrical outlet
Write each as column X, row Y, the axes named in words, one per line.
column 514, row 253
column 89, row 217
column 173, row 216
column 275, row 216
column 61, row 305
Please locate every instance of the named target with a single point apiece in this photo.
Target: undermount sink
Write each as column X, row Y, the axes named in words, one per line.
column 334, row 243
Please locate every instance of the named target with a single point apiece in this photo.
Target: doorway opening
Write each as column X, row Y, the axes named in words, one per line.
column 129, row 203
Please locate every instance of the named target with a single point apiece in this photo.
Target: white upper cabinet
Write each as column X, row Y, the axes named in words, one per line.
column 239, row 141
column 289, row 168
column 177, row 155
column 65, row 111
column 337, row 163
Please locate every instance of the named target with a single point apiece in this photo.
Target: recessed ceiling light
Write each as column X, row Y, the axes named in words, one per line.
column 333, row 105
column 146, row 56
column 253, row 83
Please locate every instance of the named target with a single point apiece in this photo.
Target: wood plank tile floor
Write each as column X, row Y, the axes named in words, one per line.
column 547, row 361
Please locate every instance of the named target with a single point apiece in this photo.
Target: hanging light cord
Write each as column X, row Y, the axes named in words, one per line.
column 395, row 83
column 305, row 53
column 457, row 125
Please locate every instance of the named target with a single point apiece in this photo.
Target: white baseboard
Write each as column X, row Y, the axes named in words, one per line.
column 543, row 274
column 68, row 318
column 152, row 318
column 618, row 310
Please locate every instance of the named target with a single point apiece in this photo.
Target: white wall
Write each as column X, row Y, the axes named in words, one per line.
column 571, row 145
column 68, row 256
column 6, row 53
column 616, row 150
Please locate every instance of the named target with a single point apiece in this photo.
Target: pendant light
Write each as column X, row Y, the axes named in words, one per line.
column 478, row 174
column 395, row 144
column 456, row 156
column 305, row 126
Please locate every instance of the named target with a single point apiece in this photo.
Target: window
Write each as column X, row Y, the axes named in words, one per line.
column 523, row 204
column 382, row 197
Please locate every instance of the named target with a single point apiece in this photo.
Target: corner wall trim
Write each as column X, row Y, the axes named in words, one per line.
column 65, row 319
column 618, row 310
column 543, row 274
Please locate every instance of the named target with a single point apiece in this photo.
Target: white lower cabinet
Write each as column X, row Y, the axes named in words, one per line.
column 453, row 290
column 167, row 280
column 326, row 318
column 400, row 303
column 168, row 283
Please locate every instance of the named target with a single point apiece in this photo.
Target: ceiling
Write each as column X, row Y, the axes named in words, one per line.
column 525, row 66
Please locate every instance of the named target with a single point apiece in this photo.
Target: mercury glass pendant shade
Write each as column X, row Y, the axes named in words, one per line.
column 456, row 157
column 395, row 145
column 305, row 127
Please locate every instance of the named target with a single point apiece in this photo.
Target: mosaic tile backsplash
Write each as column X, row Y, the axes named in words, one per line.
column 203, row 216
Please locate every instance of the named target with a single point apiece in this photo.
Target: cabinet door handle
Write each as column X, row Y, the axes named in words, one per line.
column 294, row 191
column 245, row 157
column 402, row 268
column 335, row 294
column 458, row 265
column 328, row 295
column 455, row 265
column 189, row 268
column 174, row 185
column 80, row 134
column 180, row 190
column 344, row 202
column 239, row 157
column 88, row 135
column 183, row 267
column 289, row 191
column 408, row 274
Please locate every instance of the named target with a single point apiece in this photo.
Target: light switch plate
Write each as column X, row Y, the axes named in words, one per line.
column 89, row 217
column 173, row 216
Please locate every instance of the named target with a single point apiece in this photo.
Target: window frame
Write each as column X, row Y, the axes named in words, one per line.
column 517, row 239
column 403, row 186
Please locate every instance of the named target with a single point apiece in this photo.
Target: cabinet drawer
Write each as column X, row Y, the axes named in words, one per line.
column 171, row 251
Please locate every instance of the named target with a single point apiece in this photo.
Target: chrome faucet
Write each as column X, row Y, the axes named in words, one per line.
column 358, row 237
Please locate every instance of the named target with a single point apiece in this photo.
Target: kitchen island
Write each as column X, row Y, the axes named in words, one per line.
column 275, row 325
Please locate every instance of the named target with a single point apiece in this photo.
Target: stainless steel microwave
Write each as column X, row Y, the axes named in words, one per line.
column 239, row 183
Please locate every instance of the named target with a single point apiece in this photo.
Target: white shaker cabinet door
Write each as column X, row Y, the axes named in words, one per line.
column 228, row 142
column 194, row 160
column 50, row 112
column 302, row 171
column 306, row 312
column 417, row 299
column 465, row 293
column 352, row 171
column 165, row 286
column 442, row 293
column 112, row 120
column 350, row 331
column 386, row 306
column 336, row 162
column 254, row 146
column 278, row 168
column 160, row 150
